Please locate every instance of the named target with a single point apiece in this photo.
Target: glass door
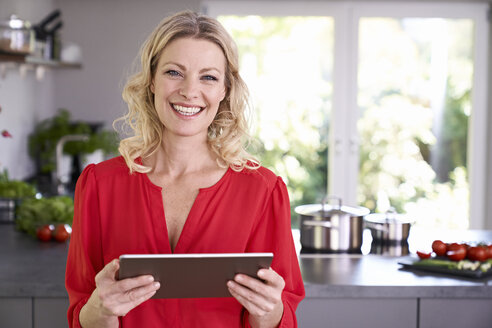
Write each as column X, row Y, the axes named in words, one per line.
column 419, row 114
column 382, row 105
column 287, row 62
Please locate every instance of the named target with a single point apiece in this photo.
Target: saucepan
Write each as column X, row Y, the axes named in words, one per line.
column 388, row 227
column 331, row 228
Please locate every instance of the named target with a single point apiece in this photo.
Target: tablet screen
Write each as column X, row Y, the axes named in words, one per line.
column 193, row 275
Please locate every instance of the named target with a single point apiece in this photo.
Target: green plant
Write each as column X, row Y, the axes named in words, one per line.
column 43, row 140
column 14, row 188
column 33, row 213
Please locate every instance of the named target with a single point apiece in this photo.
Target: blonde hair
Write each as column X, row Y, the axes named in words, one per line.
column 227, row 134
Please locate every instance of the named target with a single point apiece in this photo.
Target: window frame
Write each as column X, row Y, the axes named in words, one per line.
column 344, row 141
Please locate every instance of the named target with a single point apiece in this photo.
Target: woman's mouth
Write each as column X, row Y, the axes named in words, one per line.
column 187, row 111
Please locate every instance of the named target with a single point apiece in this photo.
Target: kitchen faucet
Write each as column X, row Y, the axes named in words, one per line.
column 61, row 181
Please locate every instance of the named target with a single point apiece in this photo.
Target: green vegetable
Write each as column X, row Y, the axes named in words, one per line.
column 456, row 265
column 484, row 267
column 33, row 213
column 15, row 188
column 437, row 262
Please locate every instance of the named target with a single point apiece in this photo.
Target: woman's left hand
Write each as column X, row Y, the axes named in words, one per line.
column 262, row 299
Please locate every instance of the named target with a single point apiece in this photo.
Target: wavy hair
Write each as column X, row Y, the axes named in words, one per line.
column 228, row 133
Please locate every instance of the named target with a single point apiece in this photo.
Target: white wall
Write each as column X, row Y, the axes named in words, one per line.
column 488, row 178
column 109, row 34
column 23, row 100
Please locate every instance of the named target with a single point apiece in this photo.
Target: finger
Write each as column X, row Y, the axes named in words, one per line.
column 109, row 270
column 128, row 284
column 254, row 284
column 272, row 278
column 252, row 307
column 138, row 295
column 121, row 309
column 250, row 299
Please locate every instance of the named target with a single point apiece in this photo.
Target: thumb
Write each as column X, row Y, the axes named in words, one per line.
column 115, row 267
column 110, row 271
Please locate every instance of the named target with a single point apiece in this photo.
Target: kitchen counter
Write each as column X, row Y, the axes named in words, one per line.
column 352, row 276
column 372, row 290
column 35, row 270
column 376, row 272
column 30, row 268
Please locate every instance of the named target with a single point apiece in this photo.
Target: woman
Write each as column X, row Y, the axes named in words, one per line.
column 184, row 184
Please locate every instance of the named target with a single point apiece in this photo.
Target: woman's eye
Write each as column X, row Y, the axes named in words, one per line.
column 172, row 72
column 210, row 78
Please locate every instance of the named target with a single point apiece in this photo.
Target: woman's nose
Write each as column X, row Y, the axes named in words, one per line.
column 189, row 88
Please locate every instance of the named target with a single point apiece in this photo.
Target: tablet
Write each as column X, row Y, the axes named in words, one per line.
column 193, row 275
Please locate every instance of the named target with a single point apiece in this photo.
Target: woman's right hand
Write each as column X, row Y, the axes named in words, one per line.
column 113, row 298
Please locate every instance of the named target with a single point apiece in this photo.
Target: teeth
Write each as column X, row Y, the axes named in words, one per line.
column 186, row 110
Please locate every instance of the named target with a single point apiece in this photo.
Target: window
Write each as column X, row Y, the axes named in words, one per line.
column 289, row 77
column 415, row 80
column 380, row 104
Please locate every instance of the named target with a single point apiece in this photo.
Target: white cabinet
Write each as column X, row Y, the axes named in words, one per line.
column 395, row 312
column 50, row 312
column 350, row 313
column 455, row 313
column 16, row 312
column 26, row 312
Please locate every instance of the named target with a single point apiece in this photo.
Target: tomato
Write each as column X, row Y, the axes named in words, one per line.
column 456, row 252
column 62, row 232
column 44, row 232
column 489, row 251
column 477, row 253
column 439, row 248
column 423, row 255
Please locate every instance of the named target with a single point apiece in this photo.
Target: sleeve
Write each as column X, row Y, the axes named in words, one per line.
column 273, row 234
column 85, row 250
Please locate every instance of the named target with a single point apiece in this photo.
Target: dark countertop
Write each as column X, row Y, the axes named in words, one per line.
column 366, row 276
column 30, row 268
column 376, row 272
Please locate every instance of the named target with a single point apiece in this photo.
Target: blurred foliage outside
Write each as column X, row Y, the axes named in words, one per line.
column 415, row 81
column 403, row 163
column 289, row 77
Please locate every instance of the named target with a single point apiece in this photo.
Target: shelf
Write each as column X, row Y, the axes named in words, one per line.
column 26, row 63
column 21, row 59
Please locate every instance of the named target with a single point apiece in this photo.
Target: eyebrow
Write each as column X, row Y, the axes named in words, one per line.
column 203, row 70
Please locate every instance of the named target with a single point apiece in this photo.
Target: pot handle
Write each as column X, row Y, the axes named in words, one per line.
column 326, row 200
column 314, row 223
column 376, row 226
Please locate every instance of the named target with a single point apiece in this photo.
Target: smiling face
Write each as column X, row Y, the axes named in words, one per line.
column 188, row 86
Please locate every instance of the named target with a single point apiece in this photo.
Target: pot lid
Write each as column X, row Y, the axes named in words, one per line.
column 391, row 216
column 326, row 210
column 15, row 23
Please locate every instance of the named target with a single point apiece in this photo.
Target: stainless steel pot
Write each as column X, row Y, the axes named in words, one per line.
column 7, row 209
column 389, row 226
column 16, row 36
column 331, row 228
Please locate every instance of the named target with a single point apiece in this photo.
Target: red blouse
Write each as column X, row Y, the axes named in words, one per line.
column 118, row 213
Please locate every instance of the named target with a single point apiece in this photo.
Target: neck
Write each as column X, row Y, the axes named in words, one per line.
column 180, row 155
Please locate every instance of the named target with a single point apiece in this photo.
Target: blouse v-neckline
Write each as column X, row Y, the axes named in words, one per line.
column 189, row 226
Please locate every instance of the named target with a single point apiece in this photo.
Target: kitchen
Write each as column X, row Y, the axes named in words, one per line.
column 108, row 35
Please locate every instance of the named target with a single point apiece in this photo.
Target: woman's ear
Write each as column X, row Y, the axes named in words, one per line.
column 152, row 87
column 224, row 93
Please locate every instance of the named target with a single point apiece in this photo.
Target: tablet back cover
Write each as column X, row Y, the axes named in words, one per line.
column 193, row 277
